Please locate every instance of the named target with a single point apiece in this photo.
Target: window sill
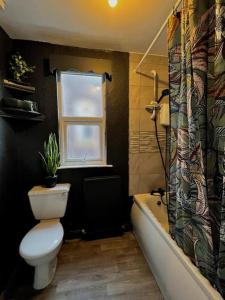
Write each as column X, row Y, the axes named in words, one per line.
column 84, row 166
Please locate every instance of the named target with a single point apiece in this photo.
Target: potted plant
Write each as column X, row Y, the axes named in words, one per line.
column 19, row 68
column 51, row 160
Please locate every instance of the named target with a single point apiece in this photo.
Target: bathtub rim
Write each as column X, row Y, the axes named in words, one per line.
column 203, row 282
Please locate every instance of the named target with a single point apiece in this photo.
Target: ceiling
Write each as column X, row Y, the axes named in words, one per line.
column 129, row 27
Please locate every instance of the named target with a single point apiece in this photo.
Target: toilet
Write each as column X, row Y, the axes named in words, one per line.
column 40, row 246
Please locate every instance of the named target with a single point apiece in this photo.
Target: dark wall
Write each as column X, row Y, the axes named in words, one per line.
column 32, row 137
column 20, row 141
column 8, row 179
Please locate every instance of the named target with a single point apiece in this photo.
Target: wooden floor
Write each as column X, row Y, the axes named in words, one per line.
column 111, row 268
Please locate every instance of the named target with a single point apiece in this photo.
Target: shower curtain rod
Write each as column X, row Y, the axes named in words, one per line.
column 158, row 34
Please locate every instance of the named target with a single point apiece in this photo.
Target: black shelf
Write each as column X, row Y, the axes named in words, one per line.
column 26, row 116
column 17, row 113
column 18, row 87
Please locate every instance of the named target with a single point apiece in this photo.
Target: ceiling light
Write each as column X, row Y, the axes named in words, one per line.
column 2, row 4
column 113, row 3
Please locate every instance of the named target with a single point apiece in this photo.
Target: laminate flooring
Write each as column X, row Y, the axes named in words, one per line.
column 112, row 268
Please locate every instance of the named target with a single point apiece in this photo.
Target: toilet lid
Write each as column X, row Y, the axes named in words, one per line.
column 41, row 239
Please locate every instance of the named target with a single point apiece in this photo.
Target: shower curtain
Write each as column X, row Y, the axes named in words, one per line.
column 196, row 210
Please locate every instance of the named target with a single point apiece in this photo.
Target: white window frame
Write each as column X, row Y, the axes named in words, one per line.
column 65, row 121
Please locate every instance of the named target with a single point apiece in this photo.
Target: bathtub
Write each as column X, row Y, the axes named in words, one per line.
column 177, row 277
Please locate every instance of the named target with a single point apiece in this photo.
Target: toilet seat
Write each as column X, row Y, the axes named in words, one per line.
column 42, row 239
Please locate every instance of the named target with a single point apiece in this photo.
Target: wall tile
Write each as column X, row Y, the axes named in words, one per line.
column 150, row 163
column 147, row 68
column 145, row 142
column 147, row 183
column 134, row 184
column 134, row 96
column 148, row 141
column 134, row 142
column 146, row 124
column 146, row 96
column 145, row 166
column 136, row 57
column 157, row 60
column 134, row 120
column 134, row 163
column 152, row 59
column 146, row 77
column 134, row 78
column 163, row 76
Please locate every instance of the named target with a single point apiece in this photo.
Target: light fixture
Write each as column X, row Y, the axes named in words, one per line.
column 2, row 4
column 113, row 3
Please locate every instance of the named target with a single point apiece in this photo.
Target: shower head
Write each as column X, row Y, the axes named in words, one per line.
column 165, row 93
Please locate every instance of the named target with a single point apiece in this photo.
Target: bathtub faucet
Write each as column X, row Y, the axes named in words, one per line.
column 160, row 192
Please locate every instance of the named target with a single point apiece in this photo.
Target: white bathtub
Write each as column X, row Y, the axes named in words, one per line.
column 176, row 276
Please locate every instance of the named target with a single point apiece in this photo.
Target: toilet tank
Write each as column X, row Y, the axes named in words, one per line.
column 49, row 203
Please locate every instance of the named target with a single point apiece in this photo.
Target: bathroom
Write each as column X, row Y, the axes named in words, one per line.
column 133, row 205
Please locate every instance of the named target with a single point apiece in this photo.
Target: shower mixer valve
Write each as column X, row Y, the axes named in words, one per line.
column 152, row 107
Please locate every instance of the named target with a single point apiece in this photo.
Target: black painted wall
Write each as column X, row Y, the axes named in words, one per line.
column 8, row 179
column 117, row 124
column 20, row 166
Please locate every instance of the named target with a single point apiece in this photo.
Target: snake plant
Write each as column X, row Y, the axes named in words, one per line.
column 51, row 156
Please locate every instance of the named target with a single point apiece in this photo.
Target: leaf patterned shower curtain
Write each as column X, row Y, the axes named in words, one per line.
column 196, row 209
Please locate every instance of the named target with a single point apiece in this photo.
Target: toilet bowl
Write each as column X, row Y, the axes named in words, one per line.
column 40, row 246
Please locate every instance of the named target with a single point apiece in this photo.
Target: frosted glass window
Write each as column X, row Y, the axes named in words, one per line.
column 83, row 142
column 81, row 95
column 82, row 119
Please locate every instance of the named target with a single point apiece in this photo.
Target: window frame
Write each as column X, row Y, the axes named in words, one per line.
column 64, row 121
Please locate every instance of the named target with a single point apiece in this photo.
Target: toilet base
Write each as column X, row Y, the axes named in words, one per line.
column 44, row 274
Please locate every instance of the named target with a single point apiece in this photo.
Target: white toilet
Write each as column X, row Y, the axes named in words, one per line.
column 41, row 244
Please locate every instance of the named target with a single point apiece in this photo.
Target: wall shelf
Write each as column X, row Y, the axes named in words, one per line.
column 26, row 116
column 17, row 113
column 18, row 87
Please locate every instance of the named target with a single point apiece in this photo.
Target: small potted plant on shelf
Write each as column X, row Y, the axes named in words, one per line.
column 51, row 160
column 19, row 68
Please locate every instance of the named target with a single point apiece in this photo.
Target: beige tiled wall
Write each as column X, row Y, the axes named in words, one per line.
column 145, row 166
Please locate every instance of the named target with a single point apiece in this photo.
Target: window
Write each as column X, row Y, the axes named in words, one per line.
column 81, row 111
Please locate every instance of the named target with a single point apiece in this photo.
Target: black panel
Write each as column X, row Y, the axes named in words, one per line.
column 102, row 206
